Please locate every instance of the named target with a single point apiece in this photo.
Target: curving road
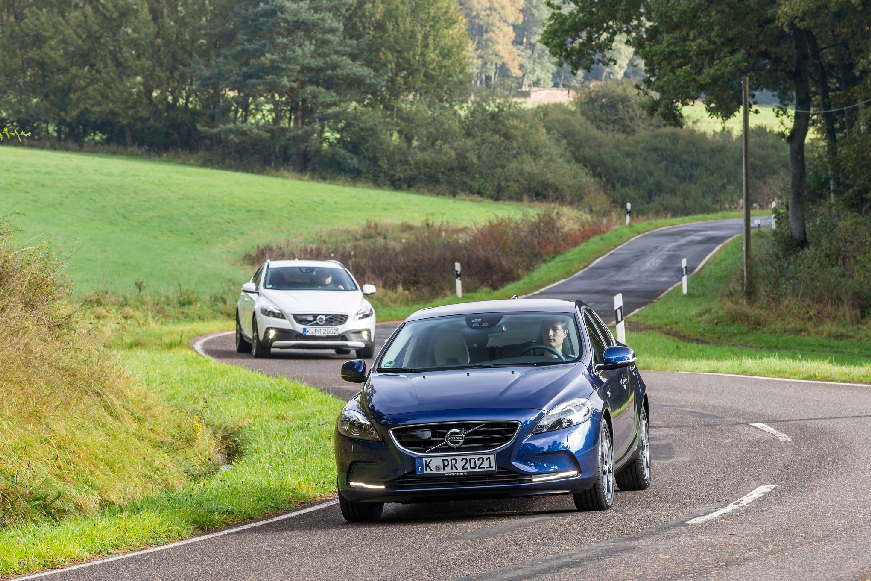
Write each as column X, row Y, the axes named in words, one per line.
column 753, row 478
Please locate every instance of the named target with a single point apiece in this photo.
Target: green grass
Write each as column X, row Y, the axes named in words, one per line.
column 697, row 118
column 177, row 227
column 280, row 430
column 710, row 330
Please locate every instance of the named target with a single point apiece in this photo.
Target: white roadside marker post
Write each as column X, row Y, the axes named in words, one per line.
column 683, row 280
column 628, row 212
column 758, row 223
column 459, row 280
column 618, row 313
column 773, row 215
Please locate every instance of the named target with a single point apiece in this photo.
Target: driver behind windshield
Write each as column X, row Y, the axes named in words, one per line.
column 325, row 280
column 553, row 334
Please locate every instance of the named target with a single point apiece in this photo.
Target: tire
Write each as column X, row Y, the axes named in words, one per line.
column 636, row 474
column 242, row 344
column 258, row 349
column 601, row 495
column 366, row 352
column 360, row 511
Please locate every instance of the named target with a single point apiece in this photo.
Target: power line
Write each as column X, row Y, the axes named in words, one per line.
column 835, row 110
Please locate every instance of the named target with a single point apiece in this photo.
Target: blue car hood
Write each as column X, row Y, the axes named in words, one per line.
column 529, row 388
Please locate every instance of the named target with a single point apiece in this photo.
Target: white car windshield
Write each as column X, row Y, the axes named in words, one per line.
column 308, row 278
column 485, row 340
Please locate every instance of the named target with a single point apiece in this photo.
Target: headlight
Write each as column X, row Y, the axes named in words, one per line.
column 354, row 424
column 364, row 313
column 570, row 413
column 270, row 311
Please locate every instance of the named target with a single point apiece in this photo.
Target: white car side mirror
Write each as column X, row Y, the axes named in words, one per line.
column 249, row 287
column 368, row 289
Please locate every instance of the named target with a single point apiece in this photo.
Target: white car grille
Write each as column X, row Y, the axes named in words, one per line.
column 322, row 320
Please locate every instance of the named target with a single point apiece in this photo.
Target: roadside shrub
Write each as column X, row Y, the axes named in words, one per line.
column 669, row 171
column 831, row 276
column 496, row 150
column 416, row 263
column 615, row 107
column 77, row 432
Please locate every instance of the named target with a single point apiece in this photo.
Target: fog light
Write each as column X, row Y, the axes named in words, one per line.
column 365, row 334
column 271, row 334
column 364, row 485
column 555, row 476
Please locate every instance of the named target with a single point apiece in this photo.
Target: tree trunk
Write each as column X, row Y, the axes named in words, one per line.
column 822, row 80
column 797, row 137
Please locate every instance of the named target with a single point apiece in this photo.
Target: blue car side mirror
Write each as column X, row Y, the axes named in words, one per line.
column 617, row 357
column 354, row 371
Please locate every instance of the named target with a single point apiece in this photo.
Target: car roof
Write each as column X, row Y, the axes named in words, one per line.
column 306, row 263
column 499, row 306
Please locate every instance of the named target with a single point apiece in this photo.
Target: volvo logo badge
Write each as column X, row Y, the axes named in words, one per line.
column 455, row 438
column 321, row 319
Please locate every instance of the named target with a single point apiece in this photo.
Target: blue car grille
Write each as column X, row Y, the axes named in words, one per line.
column 479, row 437
column 416, row 482
column 312, row 320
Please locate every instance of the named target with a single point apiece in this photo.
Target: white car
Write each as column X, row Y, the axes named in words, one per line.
column 304, row 304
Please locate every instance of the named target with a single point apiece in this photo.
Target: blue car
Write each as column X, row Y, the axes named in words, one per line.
column 494, row 399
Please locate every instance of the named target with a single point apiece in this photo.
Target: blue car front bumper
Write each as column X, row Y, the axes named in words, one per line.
column 557, row 462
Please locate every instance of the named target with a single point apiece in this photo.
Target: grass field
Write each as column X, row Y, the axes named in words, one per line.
column 177, row 227
column 282, row 434
column 697, row 118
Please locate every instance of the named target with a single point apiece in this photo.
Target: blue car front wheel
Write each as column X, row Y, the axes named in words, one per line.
column 601, row 495
column 354, row 511
column 636, row 474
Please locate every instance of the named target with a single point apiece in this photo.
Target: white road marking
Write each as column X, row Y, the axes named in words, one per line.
column 743, row 501
column 198, row 346
column 766, row 428
column 184, row 542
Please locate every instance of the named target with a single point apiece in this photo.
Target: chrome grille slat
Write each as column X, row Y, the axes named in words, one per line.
column 483, row 437
column 331, row 320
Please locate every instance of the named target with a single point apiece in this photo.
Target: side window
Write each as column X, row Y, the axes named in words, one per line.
column 257, row 276
column 595, row 341
column 604, row 331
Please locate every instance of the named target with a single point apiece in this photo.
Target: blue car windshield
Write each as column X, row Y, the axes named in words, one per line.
column 308, row 278
column 485, row 340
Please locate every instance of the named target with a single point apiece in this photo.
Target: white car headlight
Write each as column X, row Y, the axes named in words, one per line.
column 270, row 311
column 365, row 312
column 354, row 424
column 570, row 413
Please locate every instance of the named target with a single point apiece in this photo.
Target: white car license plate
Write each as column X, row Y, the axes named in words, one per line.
column 457, row 464
column 320, row 331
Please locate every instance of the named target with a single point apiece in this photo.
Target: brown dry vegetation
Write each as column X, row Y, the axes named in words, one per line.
column 76, row 432
column 415, row 263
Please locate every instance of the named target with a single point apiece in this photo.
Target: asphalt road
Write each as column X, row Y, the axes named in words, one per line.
column 646, row 266
column 791, row 502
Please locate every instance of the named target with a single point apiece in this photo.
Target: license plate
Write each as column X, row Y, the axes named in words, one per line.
column 457, row 464
column 320, row 331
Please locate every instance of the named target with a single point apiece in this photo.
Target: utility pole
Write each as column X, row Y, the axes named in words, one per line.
column 746, row 159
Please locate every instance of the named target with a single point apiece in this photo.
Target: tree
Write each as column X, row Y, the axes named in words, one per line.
column 419, row 48
column 491, row 29
column 538, row 65
column 694, row 48
column 284, row 67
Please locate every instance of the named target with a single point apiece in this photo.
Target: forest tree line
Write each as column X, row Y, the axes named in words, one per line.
column 397, row 92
